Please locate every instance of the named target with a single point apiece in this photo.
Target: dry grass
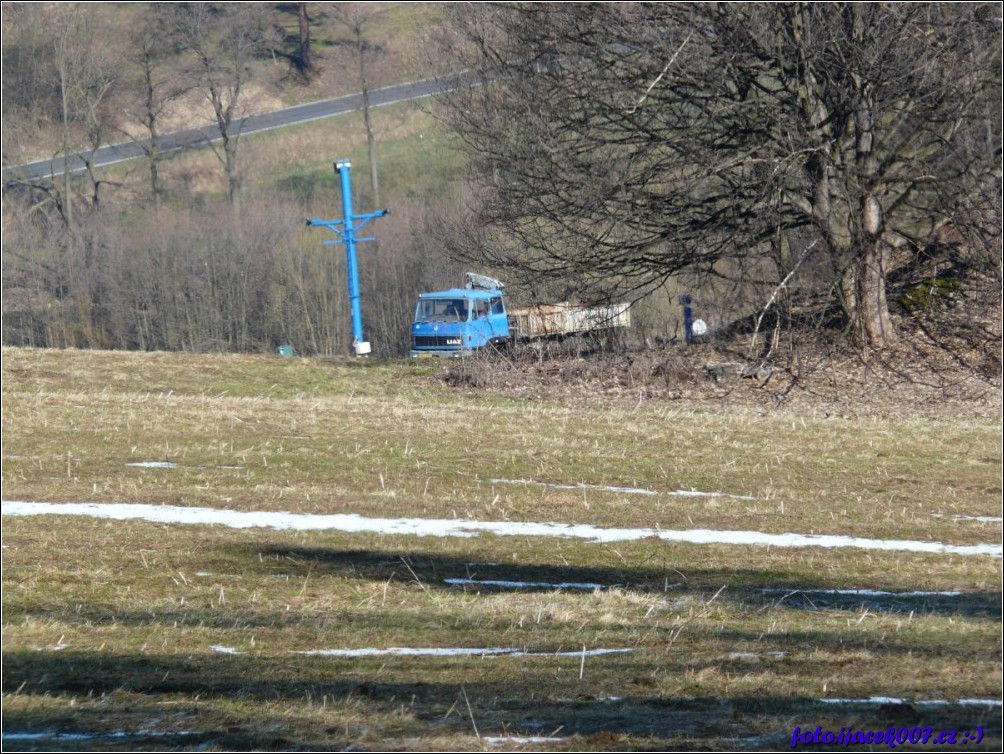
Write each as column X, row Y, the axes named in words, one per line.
column 110, row 627
column 259, row 433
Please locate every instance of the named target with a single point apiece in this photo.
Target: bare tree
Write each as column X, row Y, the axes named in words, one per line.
column 97, row 97
column 157, row 82
column 87, row 76
column 30, row 95
column 224, row 39
column 356, row 19
column 67, row 81
column 618, row 145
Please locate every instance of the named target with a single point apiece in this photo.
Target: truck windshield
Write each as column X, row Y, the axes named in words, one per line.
column 441, row 310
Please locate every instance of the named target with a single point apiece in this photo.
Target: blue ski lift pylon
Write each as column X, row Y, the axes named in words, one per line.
column 346, row 230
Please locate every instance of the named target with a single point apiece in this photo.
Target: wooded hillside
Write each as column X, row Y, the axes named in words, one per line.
column 793, row 166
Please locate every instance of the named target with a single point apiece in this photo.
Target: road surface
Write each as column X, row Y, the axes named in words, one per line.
column 193, row 137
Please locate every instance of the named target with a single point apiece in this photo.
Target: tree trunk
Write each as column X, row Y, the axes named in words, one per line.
column 230, row 166
column 874, row 324
column 65, row 112
column 367, row 122
column 305, row 62
column 150, row 120
column 371, row 149
column 863, row 291
column 873, row 327
column 154, row 175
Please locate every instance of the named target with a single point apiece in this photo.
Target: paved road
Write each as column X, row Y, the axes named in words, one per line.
column 172, row 142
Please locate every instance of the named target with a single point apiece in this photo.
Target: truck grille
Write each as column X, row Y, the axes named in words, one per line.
column 429, row 341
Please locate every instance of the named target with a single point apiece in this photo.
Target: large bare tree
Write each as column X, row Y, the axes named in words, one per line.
column 617, row 145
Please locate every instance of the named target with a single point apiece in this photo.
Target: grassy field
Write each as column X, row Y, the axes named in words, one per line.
column 137, row 634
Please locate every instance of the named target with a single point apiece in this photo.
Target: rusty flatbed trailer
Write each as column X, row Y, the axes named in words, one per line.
column 556, row 320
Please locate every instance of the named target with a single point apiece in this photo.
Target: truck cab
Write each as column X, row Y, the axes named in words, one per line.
column 458, row 321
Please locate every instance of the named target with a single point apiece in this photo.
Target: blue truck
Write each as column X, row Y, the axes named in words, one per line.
column 460, row 321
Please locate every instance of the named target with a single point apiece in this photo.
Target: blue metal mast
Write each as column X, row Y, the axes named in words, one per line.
column 346, row 230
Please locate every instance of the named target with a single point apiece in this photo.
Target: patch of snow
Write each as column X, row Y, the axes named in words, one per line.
column 414, row 652
column 153, row 465
column 580, row 653
column 454, row 652
column 524, row 584
column 960, row 517
column 53, row 736
column 862, row 592
column 225, row 650
column 756, row 656
column 499, row 740
column 580, row 486
column 623, row 490
column 466, row 528
column 741, row 744
column 920, row 702
column 695, row 493
column 16, row 736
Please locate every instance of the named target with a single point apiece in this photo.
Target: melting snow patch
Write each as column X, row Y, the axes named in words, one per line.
column 580, row 486
column 919, row 703
column 153, row 465
column 862, row 592
column 695, row 493
column 960, row 517
column 524, row 584
column 455, row 652
column 500, row 740
column 465, row 528
column 15, row 736
column 54, row 736
column 755, row 656
column 624, row 490
column 413, row 652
